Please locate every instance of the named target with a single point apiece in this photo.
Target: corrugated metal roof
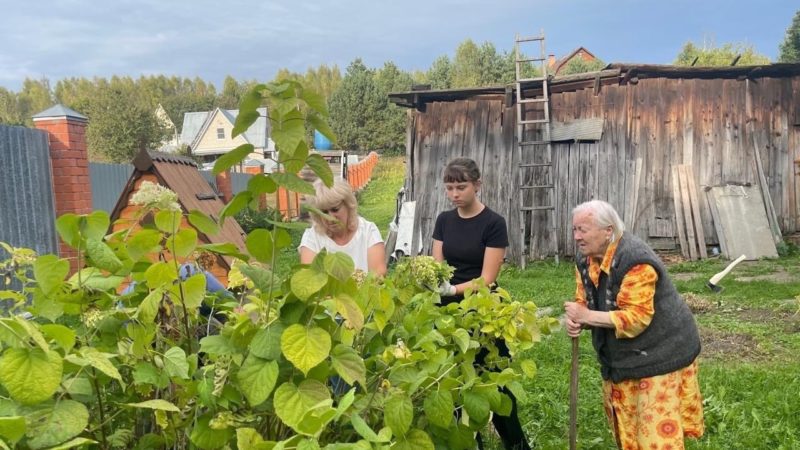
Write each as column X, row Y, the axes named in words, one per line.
column 195, row 122
column 27, row 215
column 108, row 181
column 180, row 174
column 59, row 111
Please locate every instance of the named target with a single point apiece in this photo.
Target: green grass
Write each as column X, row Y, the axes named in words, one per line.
column 378, row 200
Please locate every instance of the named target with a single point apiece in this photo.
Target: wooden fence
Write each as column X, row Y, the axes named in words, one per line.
column 359, row 174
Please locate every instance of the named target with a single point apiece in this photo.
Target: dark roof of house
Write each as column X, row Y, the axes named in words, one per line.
column 616, row 73
column 180, row 174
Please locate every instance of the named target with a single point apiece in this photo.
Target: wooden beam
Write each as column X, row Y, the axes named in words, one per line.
column 679, row 222
column 698, row 219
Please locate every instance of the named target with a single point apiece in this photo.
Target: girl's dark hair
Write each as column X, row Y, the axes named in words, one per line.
column 461, row 170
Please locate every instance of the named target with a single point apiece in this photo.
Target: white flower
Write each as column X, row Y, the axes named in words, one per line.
column 154, row 196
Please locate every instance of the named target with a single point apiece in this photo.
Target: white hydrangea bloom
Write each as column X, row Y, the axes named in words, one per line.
column 154, row 196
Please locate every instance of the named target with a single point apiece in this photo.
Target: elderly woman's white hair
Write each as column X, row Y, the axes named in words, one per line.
column 330, row 197
column 604, row 215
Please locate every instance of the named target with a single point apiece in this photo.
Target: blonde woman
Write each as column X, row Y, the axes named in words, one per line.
column 343, row 230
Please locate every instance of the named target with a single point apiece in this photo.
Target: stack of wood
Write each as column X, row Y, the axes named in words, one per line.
column 687, row 213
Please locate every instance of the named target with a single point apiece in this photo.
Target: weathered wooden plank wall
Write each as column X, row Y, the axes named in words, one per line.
column 663, row 121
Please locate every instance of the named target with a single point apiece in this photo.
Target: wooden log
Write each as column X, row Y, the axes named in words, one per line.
column 698, row 219
column 686, row 204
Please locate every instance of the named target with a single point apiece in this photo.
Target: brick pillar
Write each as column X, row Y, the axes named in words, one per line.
column 70, row 163
column 224, row 186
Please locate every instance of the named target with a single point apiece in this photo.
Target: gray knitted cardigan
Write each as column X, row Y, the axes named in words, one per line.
column 669, row 343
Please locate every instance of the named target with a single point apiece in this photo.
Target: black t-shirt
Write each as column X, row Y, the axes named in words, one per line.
column 464, row 241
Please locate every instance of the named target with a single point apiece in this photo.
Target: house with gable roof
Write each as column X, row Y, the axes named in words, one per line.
column 208, row 134
column 554, row 65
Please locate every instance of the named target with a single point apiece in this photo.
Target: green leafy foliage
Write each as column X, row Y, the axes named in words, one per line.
column 318, row 357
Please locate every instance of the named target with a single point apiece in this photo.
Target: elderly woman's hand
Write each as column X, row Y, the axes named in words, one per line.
column 575, row 317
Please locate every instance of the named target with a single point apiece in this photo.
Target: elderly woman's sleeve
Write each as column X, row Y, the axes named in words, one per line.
column 635, row 301
column 580, row 294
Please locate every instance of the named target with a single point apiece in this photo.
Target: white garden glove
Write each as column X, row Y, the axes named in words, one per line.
column 446, row 289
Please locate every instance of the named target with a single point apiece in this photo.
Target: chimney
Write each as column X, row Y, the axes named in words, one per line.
column 224, row 187
column 69, row 160
column 551, row 61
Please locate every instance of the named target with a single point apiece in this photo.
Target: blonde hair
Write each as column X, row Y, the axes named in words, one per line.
column 604, row 215
column 329, row 197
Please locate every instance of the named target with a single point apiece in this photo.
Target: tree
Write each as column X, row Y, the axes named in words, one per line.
column 579, row 65
column 120, row 125
column 440, row 73
column 34, row 97
column 392, row 126
column 790, row 47
column 710, row 55
column 357, row 108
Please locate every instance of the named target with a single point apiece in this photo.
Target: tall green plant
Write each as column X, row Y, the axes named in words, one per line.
column 323, row 358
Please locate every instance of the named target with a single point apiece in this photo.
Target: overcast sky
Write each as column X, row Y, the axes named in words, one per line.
column 253, row 39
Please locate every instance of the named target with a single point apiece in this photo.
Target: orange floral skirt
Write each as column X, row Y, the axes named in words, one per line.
column 655, row 413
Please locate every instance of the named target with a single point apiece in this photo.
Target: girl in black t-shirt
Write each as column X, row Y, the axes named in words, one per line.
column 473, row 239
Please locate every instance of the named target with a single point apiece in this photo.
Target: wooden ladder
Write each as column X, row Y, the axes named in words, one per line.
column 536, row 171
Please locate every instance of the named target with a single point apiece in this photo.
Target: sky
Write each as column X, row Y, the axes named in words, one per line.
column 251, row 40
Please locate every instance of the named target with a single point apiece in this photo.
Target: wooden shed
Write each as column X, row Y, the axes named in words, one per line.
column 715, row 119
column 180, row 175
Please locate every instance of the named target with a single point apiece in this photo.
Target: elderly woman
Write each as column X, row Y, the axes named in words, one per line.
column 644, row 334
column 342, row 230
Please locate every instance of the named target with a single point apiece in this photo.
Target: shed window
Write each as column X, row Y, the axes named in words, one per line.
column 220, row 133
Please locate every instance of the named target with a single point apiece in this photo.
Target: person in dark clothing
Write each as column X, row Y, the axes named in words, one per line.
column 473, row 239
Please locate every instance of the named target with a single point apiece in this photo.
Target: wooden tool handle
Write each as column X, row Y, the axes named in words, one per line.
column 573, row 397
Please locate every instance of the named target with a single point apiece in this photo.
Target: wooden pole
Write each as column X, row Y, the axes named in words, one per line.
column 573, row 397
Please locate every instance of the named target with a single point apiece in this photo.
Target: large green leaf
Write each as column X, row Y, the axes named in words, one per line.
column 299, row 226
column 160, row 274
column 30, row 375
column 282, row 238
column 94, row 278
column 363, row 429
column 207, row 438
column 78, row 442
column 305, row 347
column 183, row 242
column 477, row 406
column 249, row 439
column 259, row 244
column 243, row 121
column 528, row 367
column 168, row 221
column 175, row 363
column 251, row 100
column 157, row 404
column 31, row 330
column 63, row 336
column 50, row 271
column 315, row 101
column 349, row 365
column 320, row 167
column 307, row 282
column 217, row 345
column 260, row 276
column 288, row 131
column 233, row 157
column 321, row 125
column 349, row 309
column 194, row 291
column 414, row 440
column 95, row 225
column 12, row 428
column 144, row 242
column 293, row 183
column 261, row 184
column 68, row 227
column 461, row 338
column 147, row 310
column 225, row 249
column 102, row 256
column 67, row 420
column 266, row 343
column 438, row 407
column 398, row 412
column 203, row 223
column 146, row 373
column 295, row 162
column 237, row 203
column 339, row 265
column 257, row 378
column 101, row 361
column 292, row 402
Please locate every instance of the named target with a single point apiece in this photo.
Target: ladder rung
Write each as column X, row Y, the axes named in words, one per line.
column 535, row 165
column 530, row 59
column 524, row 122
column 527, row 143
column 530, row 39
column 536, row 208
column 538, row 186
column 533, row 100
column 522, row 80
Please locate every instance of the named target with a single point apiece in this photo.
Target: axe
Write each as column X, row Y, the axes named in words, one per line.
column 712, row 283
